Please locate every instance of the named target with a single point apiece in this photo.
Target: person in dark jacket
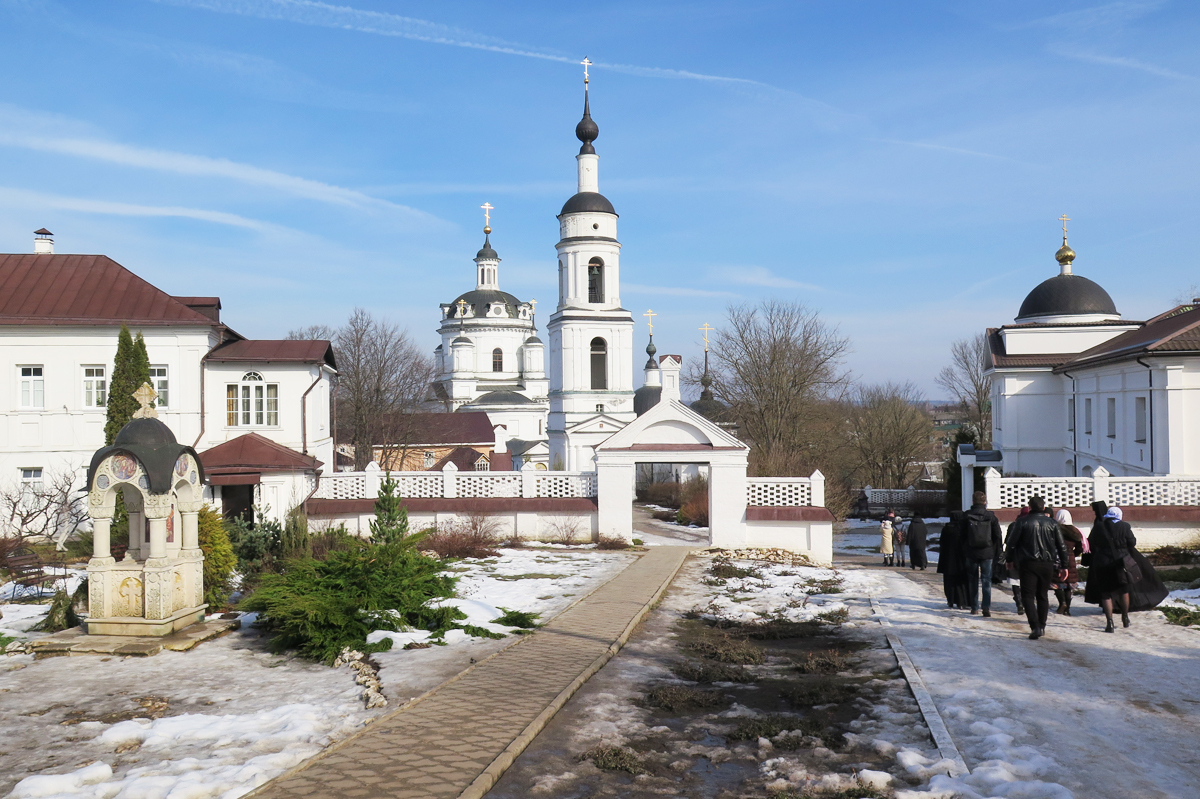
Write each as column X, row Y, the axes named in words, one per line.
column 952, row 563
column 982, row 544
column 1010, row 571
column 1036, row 547
column 1116, row 570
column 917, row 536
column 1073, row 538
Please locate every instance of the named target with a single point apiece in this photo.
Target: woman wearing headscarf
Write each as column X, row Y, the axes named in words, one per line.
column 885, row 539
column 917, row 535
column 1113, row 570
column 1076, row 546
column 952, row 561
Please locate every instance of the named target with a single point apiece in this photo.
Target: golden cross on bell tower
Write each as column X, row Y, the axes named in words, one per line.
column 487, row 216
column 649, row 314
column 1065, row 219
column 145, row 395
column 586, row 63
column 462, row 308
column 705, row 329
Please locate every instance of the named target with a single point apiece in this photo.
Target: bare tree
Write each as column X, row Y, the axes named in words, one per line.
column 778, row 367
column 312, row 333
column 383, row 376
column 1186, row 295
column 890, row 433
column 969, row 385
column 48, row 509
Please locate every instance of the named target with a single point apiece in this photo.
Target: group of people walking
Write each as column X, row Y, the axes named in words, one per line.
column 897, row 535
column 1040, row 552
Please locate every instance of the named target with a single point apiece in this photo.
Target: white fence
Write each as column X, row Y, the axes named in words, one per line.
column 903, row 497
column 1079, row 492
column 786, row 492
column 450, row 483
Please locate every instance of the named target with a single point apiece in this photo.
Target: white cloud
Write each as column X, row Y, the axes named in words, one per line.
column 1102, row 16
column 761, row 276
column 42, row 133
column 943, row 147
column 21, row 198
column 1121, row 61
column 673, row 291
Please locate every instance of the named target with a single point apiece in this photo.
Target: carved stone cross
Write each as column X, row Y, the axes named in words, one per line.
column 146, row 395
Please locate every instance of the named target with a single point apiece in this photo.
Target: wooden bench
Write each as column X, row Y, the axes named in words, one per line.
column 26, row 572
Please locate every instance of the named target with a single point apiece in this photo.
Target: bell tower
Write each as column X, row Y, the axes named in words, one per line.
column 591, row 335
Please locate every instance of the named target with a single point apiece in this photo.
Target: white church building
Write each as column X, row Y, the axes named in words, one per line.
column 257, row 411
column 1076, row 387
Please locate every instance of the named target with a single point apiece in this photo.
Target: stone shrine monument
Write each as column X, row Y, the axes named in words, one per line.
column 159, row 586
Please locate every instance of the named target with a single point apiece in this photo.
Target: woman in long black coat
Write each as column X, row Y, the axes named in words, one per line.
column 1135, row 585
column 952, row 562
column 917, row 535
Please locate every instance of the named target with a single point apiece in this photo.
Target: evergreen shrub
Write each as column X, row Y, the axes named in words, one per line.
column 391, row 517
column 320, row 607
column 219, row 559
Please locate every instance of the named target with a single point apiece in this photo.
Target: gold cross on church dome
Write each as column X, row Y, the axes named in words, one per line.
column 487, row 216
column 1065, row 219
column 707, row 327
column 462, row 308
column 649, row 314
column 146, row 395
column 586, row 63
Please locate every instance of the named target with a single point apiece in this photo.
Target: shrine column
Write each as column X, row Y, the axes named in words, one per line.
column 100, row 567
column 191, row 559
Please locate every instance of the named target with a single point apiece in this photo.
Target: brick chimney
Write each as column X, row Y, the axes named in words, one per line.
column 43, row 242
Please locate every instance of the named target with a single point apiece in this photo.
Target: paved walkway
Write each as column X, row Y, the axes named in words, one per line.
column 458, row 739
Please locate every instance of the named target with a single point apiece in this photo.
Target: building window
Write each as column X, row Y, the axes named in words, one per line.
column 32, row 388
column 251, row 402
column 596, row 280
column 1139, row 419
column 31, row 476
column 429, row 460
column 1110, row 408
column 95, row 388
column 1071, row 416
column 482, row 465
column 158, row 379
column 497, row 360
column 1087, row 416
column 599, row 364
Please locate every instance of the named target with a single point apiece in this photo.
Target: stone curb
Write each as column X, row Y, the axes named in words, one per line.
column 933, row 719
column 371, row 723
column 491, row 775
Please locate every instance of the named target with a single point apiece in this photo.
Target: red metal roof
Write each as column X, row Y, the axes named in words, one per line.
column 254, row 453
column 464, row 428
column 84, row 290
column 1177, row 330
column 315, row 351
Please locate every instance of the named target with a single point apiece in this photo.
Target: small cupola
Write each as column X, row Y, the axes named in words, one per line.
column 43, row 242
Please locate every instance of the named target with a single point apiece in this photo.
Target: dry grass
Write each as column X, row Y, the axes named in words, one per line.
column 606, row 542
column 823, row 691
column 675, row 698
column 470, row 537
column 828, row 662
column 763, row 727
column 727, row 649
column 615, row 758
column 707, row 671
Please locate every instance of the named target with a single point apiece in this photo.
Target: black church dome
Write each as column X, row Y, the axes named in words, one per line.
column 1067, row 295
column 588, row 202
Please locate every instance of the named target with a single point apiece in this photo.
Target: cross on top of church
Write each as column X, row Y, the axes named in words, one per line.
column 649, row 314
column 462, row 308
column 487, row 216
column 1065, row 219
column 586, row 63
column 704, row 329
column 145, row 395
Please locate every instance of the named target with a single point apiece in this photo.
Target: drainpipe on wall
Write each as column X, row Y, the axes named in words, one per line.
column 304, row 416
column 196, row 443
column 1149, row 411
column 1074, row 426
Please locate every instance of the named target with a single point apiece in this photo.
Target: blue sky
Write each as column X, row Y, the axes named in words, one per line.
column 898, row 166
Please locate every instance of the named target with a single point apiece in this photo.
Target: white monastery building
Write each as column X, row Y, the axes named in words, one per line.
column 1076, row 387
column 60, row 316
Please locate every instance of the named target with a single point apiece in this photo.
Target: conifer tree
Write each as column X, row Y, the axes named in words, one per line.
column 391, row 517
column 131, row 368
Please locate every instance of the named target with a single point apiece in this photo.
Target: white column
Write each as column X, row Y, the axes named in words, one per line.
column 191, row 530
column 727, row 504
column 968, row 484
column 991, row 480
column 101, row 529
column 1100, row 484
column 450, row 481
column 158, row 538
column 589, row 171
column 614, row 485
column 817, row 481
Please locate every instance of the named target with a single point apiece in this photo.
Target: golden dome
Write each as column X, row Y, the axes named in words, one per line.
column 1065, row 254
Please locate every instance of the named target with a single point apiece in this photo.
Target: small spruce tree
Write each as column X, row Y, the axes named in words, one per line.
column 391, row 517
column 127, row 376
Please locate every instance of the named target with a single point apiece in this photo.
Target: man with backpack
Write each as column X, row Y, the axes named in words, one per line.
column 1036, row 546
column 982, row 544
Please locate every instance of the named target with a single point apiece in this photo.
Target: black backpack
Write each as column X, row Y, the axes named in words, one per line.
column 979, row 531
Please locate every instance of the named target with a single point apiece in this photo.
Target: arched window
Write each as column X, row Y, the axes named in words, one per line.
column 252, row 402
column 599, row 364
column 497, row 360
column 596, row 280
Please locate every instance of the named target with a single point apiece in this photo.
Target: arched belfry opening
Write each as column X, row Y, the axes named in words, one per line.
column 159, row 585
column 596, row 280
column 599, row 350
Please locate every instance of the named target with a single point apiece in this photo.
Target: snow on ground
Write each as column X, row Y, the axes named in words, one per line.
column 1079, row 713
column 656, row 533
column 57, row 577
column 228, row 716
column 860, row 537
